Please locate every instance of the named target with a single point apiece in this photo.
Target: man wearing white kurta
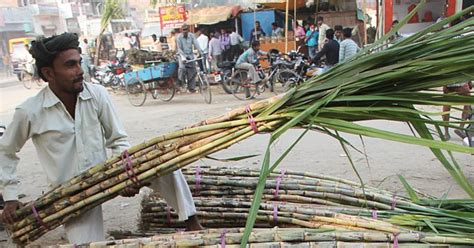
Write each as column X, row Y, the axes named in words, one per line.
column 70, row 140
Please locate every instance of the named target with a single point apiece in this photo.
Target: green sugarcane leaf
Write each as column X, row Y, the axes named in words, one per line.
column 303, row 115
column 454, row 170
column 353, row 128
column 233, row 159
column 346, row 151
column 430, row 225
column 411, row 192
column 257, row 199
column 266, row 170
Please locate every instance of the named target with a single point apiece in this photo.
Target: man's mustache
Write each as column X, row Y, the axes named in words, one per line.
column 78, row 80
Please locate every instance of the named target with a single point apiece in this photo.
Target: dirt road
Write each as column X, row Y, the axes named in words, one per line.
column 315, row 153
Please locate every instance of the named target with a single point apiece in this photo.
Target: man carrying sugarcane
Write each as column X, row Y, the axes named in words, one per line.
column 71, row 123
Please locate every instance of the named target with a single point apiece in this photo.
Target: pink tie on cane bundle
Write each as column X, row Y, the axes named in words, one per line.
column 127, row 164
column 223, row 238
column 38, row 218
column 198, row 179
column 168, row 215
column 275, row 214
column 394, row 202
column 395, row 240
column 251, row 119
column 278, row 182
column 374, row 214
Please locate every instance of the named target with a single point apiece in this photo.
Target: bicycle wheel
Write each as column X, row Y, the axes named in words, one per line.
column 241, row 86
column 283, row 80
column 164, row 89
column 205, row 87
column 225, row 81
column 136, row 92
column 26, row 80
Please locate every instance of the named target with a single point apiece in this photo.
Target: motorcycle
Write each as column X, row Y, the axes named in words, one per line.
column 109, row 75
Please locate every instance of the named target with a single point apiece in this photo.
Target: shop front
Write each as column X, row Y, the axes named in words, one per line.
column 432, row 11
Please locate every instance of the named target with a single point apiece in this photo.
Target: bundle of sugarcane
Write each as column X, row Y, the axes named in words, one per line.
column 218, row 213
column 373, row 85
column 284, row 237
column 223, row 197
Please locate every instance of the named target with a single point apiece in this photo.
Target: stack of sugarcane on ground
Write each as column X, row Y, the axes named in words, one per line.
column 284, row 237
column 374, row 85
column 297, row 199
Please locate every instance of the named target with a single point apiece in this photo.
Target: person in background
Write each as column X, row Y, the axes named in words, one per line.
column 235, row 41
column 29, row 61
column 156, row 43
column 300, row 33
column 71, row 124
column 84, row 45
column 127, row 43
column 312, row 36
column 338, row 33
column 460, row 88
column 248, row 59
column 257, row 32
column 164, row 44
column 172, row 40
column 186, row 43
column 277, row 32
column 203, row 41
column 215, row 51
column 134, row 41
column 7, row 64
column 396, row 35
column 85, row 63
column 330, row 50
column 322, row 27
column 225, row 44
column 358, row 33
column 463, row 89
column 160, row 45
column 306, row 25
column 347, row 47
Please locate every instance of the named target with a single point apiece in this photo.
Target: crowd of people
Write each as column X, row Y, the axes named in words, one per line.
column 335, row 44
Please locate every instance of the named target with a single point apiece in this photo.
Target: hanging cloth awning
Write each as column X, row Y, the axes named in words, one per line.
column 212, row 15
column 281, row 4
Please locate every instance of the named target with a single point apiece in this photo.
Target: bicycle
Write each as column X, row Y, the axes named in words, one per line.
column 202, row 81
column 243, row 89
column 27, row 78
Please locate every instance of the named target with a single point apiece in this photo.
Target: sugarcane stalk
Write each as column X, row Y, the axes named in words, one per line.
column 119, row 178
column 154, row 171
column 233, row 236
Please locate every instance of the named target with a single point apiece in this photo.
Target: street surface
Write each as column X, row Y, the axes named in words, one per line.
column 316, row 152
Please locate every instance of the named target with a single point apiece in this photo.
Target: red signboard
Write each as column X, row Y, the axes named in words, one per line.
column 172, row 16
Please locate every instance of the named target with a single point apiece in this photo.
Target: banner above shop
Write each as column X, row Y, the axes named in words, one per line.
column 172, row 16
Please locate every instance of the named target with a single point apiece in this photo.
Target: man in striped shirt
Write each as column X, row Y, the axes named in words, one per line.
column 348, row 48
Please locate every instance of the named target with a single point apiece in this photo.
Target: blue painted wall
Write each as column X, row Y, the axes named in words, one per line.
column 265, row 17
